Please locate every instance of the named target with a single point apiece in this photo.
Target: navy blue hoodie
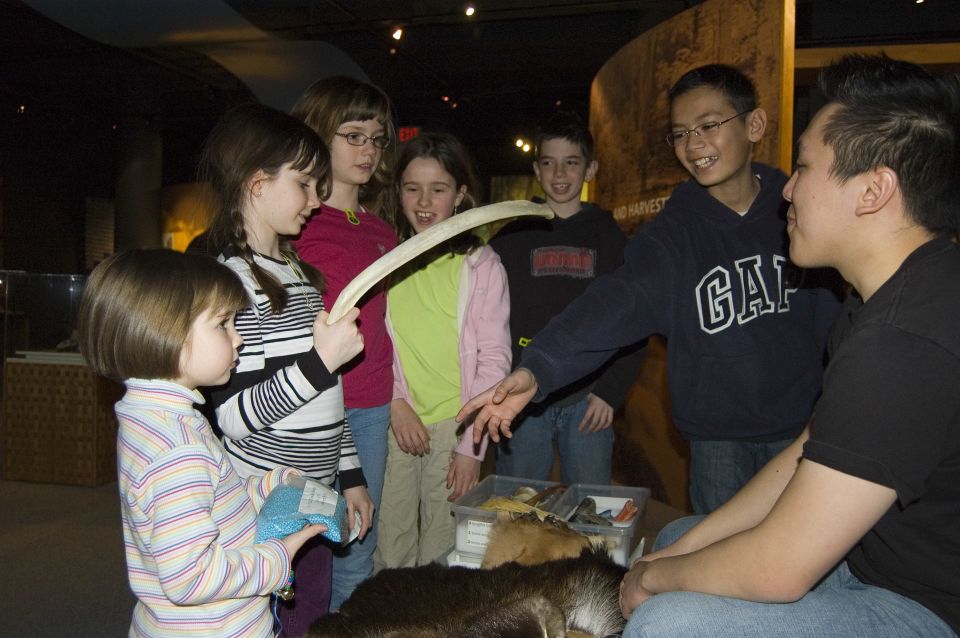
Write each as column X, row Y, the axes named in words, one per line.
column 745, row 329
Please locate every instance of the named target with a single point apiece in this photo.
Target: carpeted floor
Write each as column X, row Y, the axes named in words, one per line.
column 62, row 570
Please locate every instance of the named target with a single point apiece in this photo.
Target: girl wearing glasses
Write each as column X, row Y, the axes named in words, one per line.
column 345, row 235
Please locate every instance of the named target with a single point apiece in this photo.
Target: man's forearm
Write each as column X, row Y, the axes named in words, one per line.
column 749, row 506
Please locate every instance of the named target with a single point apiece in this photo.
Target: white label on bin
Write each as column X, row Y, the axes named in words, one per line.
column 478, row 533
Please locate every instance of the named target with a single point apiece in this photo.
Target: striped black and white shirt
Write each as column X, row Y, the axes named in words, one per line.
column 282, row 407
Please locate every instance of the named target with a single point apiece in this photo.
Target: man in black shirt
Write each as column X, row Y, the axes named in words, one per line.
column 852, row 530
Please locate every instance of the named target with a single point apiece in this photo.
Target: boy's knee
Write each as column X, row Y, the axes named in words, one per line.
column 674, row 530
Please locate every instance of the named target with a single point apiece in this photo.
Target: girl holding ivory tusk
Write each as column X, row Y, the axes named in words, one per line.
column 284, row 405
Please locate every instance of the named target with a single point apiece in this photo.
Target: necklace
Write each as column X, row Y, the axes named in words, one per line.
column 351, row 216
column 302, row 278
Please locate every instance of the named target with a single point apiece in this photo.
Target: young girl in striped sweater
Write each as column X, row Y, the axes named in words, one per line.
column 162, row 323
column 284, row 404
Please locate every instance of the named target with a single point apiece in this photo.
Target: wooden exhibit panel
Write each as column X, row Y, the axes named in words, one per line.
column 629, row 113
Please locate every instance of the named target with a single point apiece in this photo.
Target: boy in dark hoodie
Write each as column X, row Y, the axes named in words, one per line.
column 745, row 330
column 549, row 263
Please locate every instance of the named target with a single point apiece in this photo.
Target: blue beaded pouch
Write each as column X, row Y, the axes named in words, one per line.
column 299, row 502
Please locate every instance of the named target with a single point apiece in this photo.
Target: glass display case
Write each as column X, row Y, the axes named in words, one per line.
column 58, row 423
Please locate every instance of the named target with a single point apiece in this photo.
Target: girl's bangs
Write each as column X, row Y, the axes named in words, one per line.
column 363, row 112
column 224, row 293
column 306, row 158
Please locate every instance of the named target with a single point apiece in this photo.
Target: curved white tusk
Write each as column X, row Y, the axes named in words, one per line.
column 422, row 242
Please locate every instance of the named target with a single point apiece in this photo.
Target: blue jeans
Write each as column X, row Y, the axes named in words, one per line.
column 354, row 563
column 585, row 457
column 718, row 469
column 840, row 605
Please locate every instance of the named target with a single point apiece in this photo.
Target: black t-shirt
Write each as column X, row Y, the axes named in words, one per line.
column 890, row 414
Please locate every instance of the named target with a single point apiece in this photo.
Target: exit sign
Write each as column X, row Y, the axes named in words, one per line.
column 406, row 133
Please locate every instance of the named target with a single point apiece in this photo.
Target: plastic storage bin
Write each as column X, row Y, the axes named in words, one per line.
column 619, row 536
column 473, row 523
column 455, row 558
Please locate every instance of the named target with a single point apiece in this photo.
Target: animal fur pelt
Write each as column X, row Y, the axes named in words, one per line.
column 525, row 539
column 509, row 601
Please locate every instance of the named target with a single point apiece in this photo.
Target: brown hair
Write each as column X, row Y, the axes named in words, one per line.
column 454, row 158
column 249, row 138
column 138, row 306
column 330, row 102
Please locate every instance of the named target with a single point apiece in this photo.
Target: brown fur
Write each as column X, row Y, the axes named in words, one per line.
column 528, row 541
column 573, row 596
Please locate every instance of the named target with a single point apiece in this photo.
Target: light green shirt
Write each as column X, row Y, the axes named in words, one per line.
column 423, row 314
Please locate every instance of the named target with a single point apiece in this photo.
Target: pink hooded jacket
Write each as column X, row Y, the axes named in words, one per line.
column 483, row 318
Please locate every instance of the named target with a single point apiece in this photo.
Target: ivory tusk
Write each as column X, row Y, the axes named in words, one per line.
column 422, row 242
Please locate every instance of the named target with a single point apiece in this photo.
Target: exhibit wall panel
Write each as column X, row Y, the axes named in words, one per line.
column 629, row 110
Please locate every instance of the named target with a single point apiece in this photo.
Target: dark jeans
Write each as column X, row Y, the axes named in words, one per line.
column 718, row 469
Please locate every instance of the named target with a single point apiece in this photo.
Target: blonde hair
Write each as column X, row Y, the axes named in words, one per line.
column 138, row 306
column 330, row 102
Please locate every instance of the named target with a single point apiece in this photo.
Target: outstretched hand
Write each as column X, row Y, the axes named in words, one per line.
column 499, row 405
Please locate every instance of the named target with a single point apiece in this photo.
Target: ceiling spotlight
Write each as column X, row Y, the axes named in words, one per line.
column 445, row 98
column 526, row 148
column 397, row 33
column 393, row 50
column 519, row 142
column 470, row 10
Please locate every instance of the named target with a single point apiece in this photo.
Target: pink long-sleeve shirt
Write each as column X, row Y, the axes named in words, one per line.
column 341, row 250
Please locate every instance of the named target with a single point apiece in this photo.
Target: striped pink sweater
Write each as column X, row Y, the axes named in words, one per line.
column 189, row 522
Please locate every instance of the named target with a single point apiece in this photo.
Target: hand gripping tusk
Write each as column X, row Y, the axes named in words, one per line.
column 422, row 242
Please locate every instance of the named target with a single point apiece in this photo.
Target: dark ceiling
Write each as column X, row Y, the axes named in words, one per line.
column 502, row 70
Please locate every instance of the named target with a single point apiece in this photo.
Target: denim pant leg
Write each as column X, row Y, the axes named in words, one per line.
column 840, row 605
column 585, row 457
column 674, row 530
column 529, row 452
column 718, row 469
column 354, row 564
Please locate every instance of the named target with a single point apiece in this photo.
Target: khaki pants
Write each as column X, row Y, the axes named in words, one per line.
column 416, row 524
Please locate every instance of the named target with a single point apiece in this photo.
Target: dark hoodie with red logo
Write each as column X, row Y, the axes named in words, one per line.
column 549, row 263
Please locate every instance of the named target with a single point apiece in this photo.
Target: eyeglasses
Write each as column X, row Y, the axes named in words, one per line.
column 707, row 129
column 359, row 139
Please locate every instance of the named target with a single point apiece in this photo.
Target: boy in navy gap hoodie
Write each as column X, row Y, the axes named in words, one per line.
column 745, row 329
